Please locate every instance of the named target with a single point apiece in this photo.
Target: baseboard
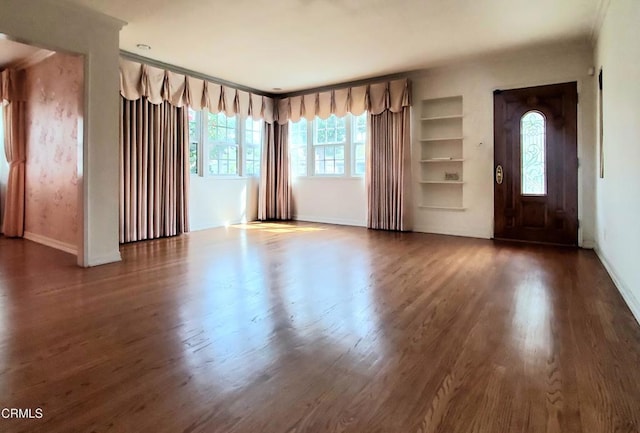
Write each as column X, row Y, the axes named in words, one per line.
column 325, row 220
column 468, row 233
column 104, row 259
column 588, row 244
column 625, row 291
column 44, row 240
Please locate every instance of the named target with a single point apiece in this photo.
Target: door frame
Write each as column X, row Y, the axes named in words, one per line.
column 585, row 105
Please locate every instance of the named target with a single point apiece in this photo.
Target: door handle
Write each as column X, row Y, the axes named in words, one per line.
column 499, row 174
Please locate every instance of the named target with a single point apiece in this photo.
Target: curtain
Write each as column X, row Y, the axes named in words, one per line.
column 154, row 167
column 15, row 150
column 274, row 201
column 389, row 171
column 159, row 85
column 374, row 98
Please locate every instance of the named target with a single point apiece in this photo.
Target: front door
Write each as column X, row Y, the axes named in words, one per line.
column 536, row 164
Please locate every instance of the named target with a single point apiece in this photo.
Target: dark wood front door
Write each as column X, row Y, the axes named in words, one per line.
column 536, row 164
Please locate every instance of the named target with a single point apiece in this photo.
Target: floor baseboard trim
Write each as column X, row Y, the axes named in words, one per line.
column 53, row 243
column 440, row 231
column 104, row 259
column 338, row 221
column 627, row 294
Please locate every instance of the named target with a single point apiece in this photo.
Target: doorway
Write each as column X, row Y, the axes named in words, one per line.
column 536, row 164
column 47, row 103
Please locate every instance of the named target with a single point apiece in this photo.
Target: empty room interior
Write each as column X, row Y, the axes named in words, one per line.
column 413, row 216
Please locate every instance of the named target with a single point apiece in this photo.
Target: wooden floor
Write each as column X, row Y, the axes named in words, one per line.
column 317, row 328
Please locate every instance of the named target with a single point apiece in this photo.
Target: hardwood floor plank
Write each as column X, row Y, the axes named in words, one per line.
column 301, row 327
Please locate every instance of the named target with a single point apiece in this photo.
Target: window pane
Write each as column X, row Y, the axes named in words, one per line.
column 193, row 126
column 329, row 152
column 321, row 137
column 359, row 128
column 533, row 160
column 193, row 157
column 331, row 135
column 298, row 147
column 213, row 167
column 331, row 130
column 221, row 129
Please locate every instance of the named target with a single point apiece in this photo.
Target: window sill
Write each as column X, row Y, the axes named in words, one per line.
column 327, row 177
column 225, row 177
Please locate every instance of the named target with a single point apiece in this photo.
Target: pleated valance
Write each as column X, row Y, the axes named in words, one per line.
column 12, row 85
column 374, row 98
column 157, row 85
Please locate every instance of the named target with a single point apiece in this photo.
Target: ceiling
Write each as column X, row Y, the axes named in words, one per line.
column 298, row 44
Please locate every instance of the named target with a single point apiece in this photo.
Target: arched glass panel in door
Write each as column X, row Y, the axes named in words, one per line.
column 533, row 145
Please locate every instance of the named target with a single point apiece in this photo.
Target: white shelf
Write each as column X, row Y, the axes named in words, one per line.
column 452, row 208
column 441, row 139
column 441, row 151
column 457, row 116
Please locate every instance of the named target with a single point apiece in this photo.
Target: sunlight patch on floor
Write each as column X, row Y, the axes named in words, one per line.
column 277, row 227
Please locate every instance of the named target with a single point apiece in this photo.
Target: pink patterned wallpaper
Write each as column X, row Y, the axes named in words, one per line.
column 54, row 107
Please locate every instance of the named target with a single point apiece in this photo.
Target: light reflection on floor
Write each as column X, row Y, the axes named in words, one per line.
column 277, row 227
column 532, row 319
column 263, row 309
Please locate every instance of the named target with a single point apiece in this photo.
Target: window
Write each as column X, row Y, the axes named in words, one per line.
column 359, row 140
column 220, row 145
column 328, row 147
column 329, row 140
column 223, row 144
column 194, row 141
column 252, row 146
column 298, row 141
column 533, row 161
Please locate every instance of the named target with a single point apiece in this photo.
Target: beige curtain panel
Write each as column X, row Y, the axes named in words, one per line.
column 154, row 165
column 375, row 98
column 13, row 100
column 274, row 201
column 389, row 171
column 158, row 85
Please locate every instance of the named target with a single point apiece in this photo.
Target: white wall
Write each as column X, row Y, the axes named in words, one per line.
column 330, row 200
column 60, row 27
column 215, row 202
column 475, row 80
column 618, row 199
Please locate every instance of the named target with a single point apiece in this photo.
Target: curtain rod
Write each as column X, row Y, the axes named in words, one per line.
column 194, row 74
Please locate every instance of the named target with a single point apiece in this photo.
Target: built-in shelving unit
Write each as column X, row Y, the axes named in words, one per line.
column 441, row 156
